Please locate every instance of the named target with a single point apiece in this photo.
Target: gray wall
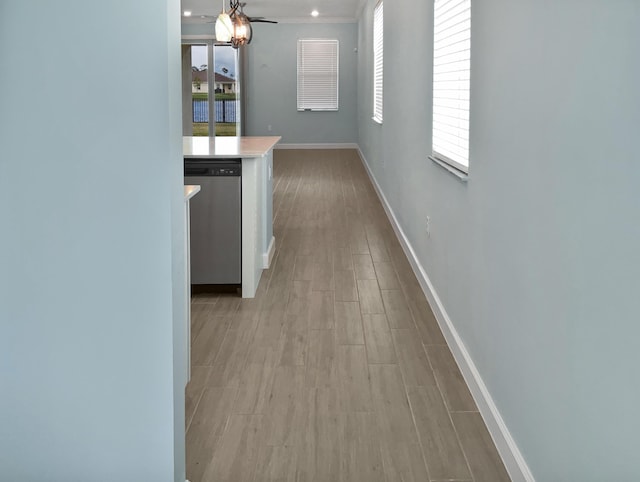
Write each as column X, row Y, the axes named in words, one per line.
column 91, row 254
column 271, row 88
column 271, row 83
column 536, row 258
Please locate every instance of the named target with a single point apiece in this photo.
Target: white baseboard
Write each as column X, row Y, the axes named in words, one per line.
column 267, row 257
column 509, row 452
column 346, row 145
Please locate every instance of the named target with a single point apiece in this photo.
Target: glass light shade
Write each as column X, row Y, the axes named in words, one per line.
column 242, row 31
column 224, row 27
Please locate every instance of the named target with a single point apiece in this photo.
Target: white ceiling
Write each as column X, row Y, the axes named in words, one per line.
column 283, row 10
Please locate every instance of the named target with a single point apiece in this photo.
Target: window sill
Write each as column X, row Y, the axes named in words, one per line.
column 462, row 176
column 317, row 110
column 376, row 120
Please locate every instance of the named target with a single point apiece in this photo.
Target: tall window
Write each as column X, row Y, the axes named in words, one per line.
column 317, row 74
column 211, row 89
column 378, row 47
column 451, row 82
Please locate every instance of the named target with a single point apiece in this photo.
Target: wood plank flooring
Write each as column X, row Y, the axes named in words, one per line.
column 337, row 370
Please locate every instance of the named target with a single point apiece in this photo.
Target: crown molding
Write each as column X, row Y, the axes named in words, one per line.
column 360, row 8
column 288, row 20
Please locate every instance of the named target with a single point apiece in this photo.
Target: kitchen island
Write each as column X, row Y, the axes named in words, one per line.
column 256, row 155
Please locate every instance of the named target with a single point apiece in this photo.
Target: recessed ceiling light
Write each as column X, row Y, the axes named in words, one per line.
column 187, row 13
column 315, row 13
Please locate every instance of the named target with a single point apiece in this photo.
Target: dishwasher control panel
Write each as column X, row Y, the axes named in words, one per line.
column 225, row 171
column 212, row 168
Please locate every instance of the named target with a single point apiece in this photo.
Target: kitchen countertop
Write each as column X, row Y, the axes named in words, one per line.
column 190, row 191
column 220, row 147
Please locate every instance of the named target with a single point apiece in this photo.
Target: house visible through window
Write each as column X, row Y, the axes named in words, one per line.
column 378, row 46
column 451, row 82
column 317, row 74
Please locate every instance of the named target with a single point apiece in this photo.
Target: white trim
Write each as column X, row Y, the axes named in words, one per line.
column 199, row 37
column 329, row 145
column 319, row 19
column 267, row 257
column 507, row 448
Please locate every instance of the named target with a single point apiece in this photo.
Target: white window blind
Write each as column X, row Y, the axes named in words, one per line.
column 317, row 74
column 378, row 46
column 451, row 81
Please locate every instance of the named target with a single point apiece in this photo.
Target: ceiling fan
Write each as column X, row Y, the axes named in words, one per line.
column 234, row 26
column 237, row 4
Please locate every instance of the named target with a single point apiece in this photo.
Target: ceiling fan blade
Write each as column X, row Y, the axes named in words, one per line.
column 260, row 20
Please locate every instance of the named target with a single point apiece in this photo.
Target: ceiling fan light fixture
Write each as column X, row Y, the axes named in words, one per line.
column 242, row 31
column 224, row 27
column 234, row 26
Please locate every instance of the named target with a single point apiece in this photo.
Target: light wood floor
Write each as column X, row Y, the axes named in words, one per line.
column 337, row 370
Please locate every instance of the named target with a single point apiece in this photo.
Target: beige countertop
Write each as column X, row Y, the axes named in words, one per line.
column 190, row 191
column 220, row 147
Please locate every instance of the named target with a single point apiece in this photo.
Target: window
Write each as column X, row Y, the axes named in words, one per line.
column 211, row 102
column 451, row 82
column 317, row 74
column 378, row 46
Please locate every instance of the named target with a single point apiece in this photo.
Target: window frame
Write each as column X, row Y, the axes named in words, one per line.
column 304, row 104
column 461, row 76
column 378, row 62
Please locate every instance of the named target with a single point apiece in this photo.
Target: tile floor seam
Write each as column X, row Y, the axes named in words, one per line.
column 453, row 425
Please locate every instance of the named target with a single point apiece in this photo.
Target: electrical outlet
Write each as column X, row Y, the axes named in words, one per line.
column 428, row 226
column 269, row 127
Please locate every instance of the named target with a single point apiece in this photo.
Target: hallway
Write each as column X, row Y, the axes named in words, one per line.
column 337, row 370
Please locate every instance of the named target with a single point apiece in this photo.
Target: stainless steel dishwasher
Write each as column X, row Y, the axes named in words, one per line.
column 216, row 227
